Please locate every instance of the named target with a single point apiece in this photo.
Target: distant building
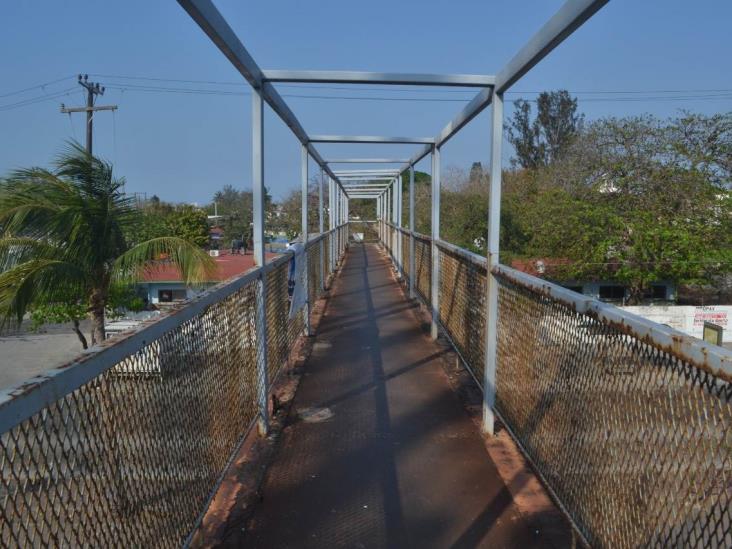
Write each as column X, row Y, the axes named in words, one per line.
column 662, row 291
column 163, row 285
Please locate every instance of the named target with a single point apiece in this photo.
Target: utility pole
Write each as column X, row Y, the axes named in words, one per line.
column 92, row 89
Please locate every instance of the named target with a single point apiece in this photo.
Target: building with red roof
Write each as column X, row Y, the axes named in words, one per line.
column 163, row 284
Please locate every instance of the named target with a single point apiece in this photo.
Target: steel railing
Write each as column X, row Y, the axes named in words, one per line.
column 126, row 445
column 628, row 422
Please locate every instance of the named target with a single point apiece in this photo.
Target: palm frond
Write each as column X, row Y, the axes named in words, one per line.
column 37, row 281
column 193, row 263
column 15, row 250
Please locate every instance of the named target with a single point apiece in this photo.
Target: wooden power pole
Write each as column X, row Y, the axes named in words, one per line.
column 92, row 90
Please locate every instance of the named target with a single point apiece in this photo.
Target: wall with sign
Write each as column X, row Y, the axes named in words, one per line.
column 687, row 318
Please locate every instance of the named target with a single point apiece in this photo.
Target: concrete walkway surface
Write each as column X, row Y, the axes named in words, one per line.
column 378, row 450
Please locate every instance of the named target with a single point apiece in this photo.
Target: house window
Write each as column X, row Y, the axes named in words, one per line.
column 657, row 291
column 612, row 292
column 168, row 296
column 179, row 295
column 577, row 289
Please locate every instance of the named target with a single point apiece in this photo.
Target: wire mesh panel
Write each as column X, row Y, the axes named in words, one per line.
column 327, row 243
column 131, row 457
column 315, row 282
column 462, row 306
column 282, row 331
column 423, row 267
column 635, row 442
column 405, row 256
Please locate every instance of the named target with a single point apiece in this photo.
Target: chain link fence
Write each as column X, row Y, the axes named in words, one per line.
column 126, row 445
column 629, row 423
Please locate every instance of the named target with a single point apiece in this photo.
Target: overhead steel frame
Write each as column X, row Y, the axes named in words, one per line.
column 567, row 19
column 367, row 160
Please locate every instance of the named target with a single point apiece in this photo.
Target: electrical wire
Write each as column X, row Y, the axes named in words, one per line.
column 616, row 96
column 44, row 85
column 38, row 99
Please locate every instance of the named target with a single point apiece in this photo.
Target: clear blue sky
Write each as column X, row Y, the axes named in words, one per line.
column 184, row 146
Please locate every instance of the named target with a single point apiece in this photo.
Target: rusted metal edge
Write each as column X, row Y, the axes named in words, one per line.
column 713, row 359
column 217, row 484
column 544, row 481
column 548, row 487
column 474, row 258
column 21, row 401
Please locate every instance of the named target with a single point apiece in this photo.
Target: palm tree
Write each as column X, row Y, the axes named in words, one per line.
column 63, row 237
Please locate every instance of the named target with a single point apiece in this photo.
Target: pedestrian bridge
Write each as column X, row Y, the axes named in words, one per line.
column 145, row 439
column 626, row 423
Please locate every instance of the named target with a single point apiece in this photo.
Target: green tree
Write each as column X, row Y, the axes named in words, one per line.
column 189, row 223
column 235, row 210
column 65, row 239
column 546, row 138
column 635, row 200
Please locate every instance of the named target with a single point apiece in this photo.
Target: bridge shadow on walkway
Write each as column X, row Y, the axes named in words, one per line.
column 378, row 450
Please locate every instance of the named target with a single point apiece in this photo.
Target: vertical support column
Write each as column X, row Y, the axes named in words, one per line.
column 394, row 232
column 411, row 233
column 389, row 229
column 331, row 225
column 400, row 256
column 435, row 287
column 494, row 224
column 260, row 320
column 320, row 231
column 378, row 217
column 338, row 222
column 304, row 233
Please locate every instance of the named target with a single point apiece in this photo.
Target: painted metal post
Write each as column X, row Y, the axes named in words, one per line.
column 320, row 230
column 394, row 233
column 494, row 224
column 389, row 216
column 338, row 222
column 411, row 233
column 399, row 224
column 435, row 287
column 378, row 216
column 304, row 234
column 260, row 320
column 330, row 225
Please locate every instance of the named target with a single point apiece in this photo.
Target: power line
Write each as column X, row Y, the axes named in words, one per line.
column 403, row 89
column 154, row 89
column 721, row 94
column 34, row 100
column 45, row 84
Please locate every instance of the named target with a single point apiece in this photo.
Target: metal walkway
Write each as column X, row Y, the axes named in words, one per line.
column 378, row 450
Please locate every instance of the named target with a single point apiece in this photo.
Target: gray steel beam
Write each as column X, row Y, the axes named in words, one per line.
column 346, row 173
column 411, row 233
column 567, row 19
column 494, row 225
column 367, row 177
column 359, row 77
column 435, row 282
column 205, row 14
column 304, row 232
column 370, row 139
column 366, row 170
column 320, row 229
column 366, row 160
column 258, row 217
column 563, row 23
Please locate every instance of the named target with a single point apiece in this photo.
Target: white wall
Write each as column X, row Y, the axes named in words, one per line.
column 687, row 318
